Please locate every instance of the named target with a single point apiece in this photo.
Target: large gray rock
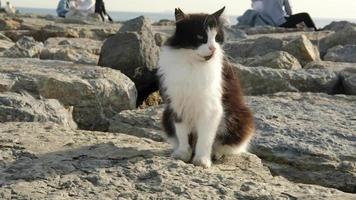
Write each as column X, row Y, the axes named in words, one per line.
column 78, row 50
column 96, row 93
column 144, row 123
column 26, row 47
column 277, row 60
column 90, row 45
column 305, row 137
column 260, row 80
column 338, row 25
column 341, row 54
column 134, row 52
column 233, row 34
column 25, row 108
column 303, row 50
column 346, row 36
column 308, row 137
column 69, row 54
column 92, row 165
column 41, row 29
column 334, row 66
column 348, row 77
column 254, row 47
column 4, row 45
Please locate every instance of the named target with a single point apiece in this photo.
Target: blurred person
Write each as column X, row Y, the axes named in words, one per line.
column 62, row 8
column 257, row 5
column 280, row 11
column 81, row 9
column 82, row 5
column 9, row 9
column 100, row 9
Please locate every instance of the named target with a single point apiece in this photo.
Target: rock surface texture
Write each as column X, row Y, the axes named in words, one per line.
column 96, row 93
column 26, row 47
column 342, row 54
column 94, row 165
column 305, row 137
column 25, row 108
column 276, row 60
column 260, row 80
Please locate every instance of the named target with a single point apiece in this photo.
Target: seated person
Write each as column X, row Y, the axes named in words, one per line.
column 255, row 17
column 280, row 12
column 82, row 5
column 9, row 9
column 62, row 8
column 80, row 9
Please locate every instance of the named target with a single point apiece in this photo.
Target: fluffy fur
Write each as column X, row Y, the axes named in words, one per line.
column 205, row 112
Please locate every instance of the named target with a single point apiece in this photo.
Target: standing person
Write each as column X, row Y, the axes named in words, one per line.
column 100, row 9
column 281, row 13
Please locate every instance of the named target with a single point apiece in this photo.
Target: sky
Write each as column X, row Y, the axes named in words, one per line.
column 338, row 9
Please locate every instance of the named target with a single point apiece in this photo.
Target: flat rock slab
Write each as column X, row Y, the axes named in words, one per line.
column 262, row 80
column 334, row 66
column 342, row 54
column 80, row 56
column 42, row 29
column 309, row 138
column 96, row 93
column 93, row 165
column 92, row 46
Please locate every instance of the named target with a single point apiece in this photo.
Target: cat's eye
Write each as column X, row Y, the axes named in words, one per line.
column 200, row 37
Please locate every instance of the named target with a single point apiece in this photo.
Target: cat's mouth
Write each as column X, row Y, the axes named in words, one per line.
column 208, row 57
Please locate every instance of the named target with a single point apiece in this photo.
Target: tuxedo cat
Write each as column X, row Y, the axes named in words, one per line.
column 205, row 114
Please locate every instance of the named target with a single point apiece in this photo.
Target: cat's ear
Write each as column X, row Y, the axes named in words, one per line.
column 180, row 16
column 218, row 13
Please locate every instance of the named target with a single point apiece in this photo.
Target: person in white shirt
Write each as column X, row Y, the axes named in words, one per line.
column 82, row 5
column 281, row 13
column 9, row 9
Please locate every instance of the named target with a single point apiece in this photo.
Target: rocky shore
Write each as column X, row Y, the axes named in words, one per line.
column 80, row 113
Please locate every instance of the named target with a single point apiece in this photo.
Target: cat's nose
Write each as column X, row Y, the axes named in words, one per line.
column 212, row 49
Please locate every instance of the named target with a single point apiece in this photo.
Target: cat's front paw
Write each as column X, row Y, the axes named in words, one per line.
column 184, row 155
column 204, row 162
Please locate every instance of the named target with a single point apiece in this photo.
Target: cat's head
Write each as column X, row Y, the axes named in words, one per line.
column 201, row 33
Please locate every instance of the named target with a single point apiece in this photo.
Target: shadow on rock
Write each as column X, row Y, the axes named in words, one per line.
column 83, row 160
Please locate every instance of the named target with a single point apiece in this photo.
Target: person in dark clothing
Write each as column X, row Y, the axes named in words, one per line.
column 294, row 20
column 100, row 9
column 280, row 12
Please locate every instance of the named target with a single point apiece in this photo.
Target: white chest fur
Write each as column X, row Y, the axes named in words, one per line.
column 194, row 86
